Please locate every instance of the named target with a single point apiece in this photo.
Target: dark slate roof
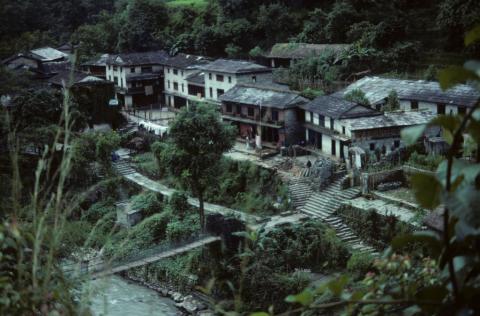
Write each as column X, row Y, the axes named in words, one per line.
column 266, row 97
column 390, row 119
column 101, row 61
column 197, row 78
column 376, row 89
column 303, row 50
column 67, row 47
column 185, row 61
column 232, row 66
column 144, row 58
column 338, row 108
column 77, row 77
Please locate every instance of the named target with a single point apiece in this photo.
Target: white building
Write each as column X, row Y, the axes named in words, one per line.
column 138, row 77
column 416, row 94
column 184, row 82
column 334, row 125
column 223, row 74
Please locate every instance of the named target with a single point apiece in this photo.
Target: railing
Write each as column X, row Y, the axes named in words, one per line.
column 86, row 266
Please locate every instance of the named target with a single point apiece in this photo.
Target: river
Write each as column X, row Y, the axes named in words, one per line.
column 115, row 296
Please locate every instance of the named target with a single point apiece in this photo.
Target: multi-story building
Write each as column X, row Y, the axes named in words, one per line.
column 138, row 77
column 265, row 114
column 96, row 67
column 416, row 94
column 334, row 125
column 184, row 82
column 223, row 74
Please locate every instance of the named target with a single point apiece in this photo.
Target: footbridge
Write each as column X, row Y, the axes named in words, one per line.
column 96, row 268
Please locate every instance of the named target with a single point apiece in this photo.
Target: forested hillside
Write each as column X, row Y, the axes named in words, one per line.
column 397, row 30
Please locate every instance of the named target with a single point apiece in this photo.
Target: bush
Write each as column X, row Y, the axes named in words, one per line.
column 149, row 202
column 429, row 162
column 182, row 229
column 98, row 210
column 360, row 263
column 178, row 204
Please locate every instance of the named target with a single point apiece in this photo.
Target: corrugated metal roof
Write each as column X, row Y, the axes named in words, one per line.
column 48, row 53
column 234, row 66
column 390, row 119
column 335, row 107
column 377, row 89
column 266, row 97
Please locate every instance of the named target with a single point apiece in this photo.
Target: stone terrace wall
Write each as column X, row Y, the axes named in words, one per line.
column 370, row 181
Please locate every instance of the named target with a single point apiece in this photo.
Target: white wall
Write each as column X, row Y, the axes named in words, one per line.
column 226, row 85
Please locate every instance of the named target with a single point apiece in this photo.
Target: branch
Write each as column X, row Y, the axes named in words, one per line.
column 451, row 154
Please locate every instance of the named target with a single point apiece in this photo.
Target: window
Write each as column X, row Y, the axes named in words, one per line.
column 372, row 146
column 168, row 84
column 229, row 108
column 219, row 78
column 182, row 73
column 462, row 110
column 239, row 109
column 321, row 121
column 175, row 71
column 343, row 130
column 132, row 70
column 211, row 93
column 251, row 112
column 115, row 68
column 396, row 144
column 440, row 108
column 229, row 79
column 210, row 76
column 183, row 88
column 220, row 92
column 168, row 70
column 146, row 69
column 274, row 115
column 308, row 116
column 332, row 124
column 414, row 105
column 175, row 86
column 254, row 79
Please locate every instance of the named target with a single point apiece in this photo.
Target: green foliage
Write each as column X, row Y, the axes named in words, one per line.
column 392, row 101
column 197, row 141
column 358, row 96
column 18, row 296
column 360, row 263
column 147, row 164
column 106, row 143
column 375, row 228
column 179, row 229
column 149, row 202
column 98, row 210
column 428, row 162
column 311, row 94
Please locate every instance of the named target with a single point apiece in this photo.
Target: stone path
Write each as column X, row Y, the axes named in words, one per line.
column 124, row 169
column 323, row 204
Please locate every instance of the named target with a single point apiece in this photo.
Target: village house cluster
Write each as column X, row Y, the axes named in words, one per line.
column 265, row 113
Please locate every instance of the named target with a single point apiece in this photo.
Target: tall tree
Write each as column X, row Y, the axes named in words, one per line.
column 196, row 143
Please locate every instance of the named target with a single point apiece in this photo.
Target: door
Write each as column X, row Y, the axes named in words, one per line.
column 334, row 148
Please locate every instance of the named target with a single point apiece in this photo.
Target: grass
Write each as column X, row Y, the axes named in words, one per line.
column 192, row 3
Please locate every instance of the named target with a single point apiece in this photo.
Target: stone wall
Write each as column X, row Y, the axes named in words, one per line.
column 370, row 181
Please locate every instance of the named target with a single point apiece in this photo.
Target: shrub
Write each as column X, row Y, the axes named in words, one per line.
column 149, row 202
column 178, row 204
column 99, row 210
column 182, row 229
column 360, row 263
column 429, row 162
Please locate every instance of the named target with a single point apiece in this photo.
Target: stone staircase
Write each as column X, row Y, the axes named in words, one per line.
column 122, row 167
column 323, row 204
column 300, row 190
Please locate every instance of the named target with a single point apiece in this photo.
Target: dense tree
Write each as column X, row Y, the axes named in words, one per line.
column 197, row 141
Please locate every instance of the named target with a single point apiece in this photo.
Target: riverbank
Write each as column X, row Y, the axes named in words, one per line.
column 189, row 304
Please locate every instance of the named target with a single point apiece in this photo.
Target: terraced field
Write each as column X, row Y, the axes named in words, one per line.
column 194, row 3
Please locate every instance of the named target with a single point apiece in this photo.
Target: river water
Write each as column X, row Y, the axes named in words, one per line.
column 115, row 296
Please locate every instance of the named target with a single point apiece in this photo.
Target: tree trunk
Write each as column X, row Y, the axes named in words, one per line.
column 201, row 211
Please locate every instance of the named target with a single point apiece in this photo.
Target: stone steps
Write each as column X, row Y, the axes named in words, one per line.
column 122, row 167
column 323, row 204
